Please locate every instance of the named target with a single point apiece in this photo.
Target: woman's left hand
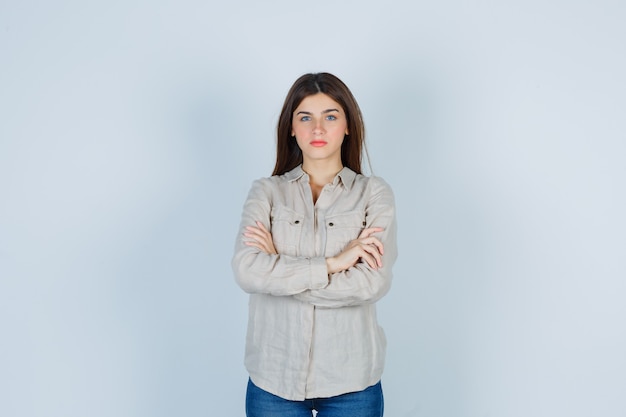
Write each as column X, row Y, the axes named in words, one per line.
column 261, row 238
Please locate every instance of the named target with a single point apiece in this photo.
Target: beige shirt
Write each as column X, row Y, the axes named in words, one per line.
column 311, row 334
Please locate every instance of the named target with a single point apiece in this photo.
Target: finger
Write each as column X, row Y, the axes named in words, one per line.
column 253, row 230
column 262, row 240
column 364, row 253
column 261, row 246
column 255, row 236
column 266, row 235
column 258, row 240
column 257, row 232
column 262, row 226
column 369, row 260
column 376, row 242
column 372, row 251
column 369, row 231
column 254, row 244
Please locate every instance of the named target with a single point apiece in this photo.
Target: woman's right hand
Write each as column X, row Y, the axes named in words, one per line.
column 260, row 238
column 366, row 247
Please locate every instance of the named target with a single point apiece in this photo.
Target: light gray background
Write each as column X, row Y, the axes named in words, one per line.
column 130, row 132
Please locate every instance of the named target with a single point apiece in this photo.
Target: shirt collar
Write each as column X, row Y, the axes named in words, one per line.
column 346, row 176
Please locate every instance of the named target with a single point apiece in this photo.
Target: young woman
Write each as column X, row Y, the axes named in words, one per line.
column 316, row 246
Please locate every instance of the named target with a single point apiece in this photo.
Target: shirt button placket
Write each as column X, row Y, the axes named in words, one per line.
column 320, row 236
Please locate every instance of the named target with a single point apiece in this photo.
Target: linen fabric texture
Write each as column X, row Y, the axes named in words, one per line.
column 312, row 334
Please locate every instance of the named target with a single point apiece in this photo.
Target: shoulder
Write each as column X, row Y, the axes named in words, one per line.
column 276, row 181
column 379, row 182
column 264, row 182
column 373, row 184
column 267, row 186
column 376, row 192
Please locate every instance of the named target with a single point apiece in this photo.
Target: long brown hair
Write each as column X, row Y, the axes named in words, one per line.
column 288, row 154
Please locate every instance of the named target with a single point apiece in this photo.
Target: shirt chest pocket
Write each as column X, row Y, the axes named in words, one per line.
column 341, row 229
column 286, row 230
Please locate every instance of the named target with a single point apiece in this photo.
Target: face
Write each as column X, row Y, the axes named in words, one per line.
column 319, row 125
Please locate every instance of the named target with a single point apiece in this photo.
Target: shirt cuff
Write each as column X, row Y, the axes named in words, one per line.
column 319, row 273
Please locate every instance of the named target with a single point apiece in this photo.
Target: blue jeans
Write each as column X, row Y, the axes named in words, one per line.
column 366, row 403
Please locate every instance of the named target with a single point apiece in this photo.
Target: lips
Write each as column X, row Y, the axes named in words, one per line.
column 318, row 143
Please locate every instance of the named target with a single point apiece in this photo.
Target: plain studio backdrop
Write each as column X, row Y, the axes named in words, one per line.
column 131, row 131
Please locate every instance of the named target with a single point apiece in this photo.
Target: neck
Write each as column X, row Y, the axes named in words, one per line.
column 321, row 172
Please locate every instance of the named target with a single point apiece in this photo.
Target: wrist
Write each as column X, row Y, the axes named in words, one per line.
column 330, row 266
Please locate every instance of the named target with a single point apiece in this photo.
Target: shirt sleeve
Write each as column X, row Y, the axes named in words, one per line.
column 361, row 284
column 258, row 272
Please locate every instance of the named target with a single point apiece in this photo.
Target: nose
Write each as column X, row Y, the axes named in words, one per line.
column 318, row 129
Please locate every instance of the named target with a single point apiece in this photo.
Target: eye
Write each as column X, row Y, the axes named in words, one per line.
column 331, row 117
column 305, row 118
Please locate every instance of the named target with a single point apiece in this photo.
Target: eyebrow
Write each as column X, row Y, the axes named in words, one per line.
column 324, row 112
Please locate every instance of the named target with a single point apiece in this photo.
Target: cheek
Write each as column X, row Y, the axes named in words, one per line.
column 297, row 130
column 340, row 131
column 341, row 128
column 298, row 141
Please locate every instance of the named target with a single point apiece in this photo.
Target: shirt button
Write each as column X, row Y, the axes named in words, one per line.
column 331, row 224
column 363, row 224
column 297, row 222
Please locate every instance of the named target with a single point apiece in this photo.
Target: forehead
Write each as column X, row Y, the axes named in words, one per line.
column 318, row 103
